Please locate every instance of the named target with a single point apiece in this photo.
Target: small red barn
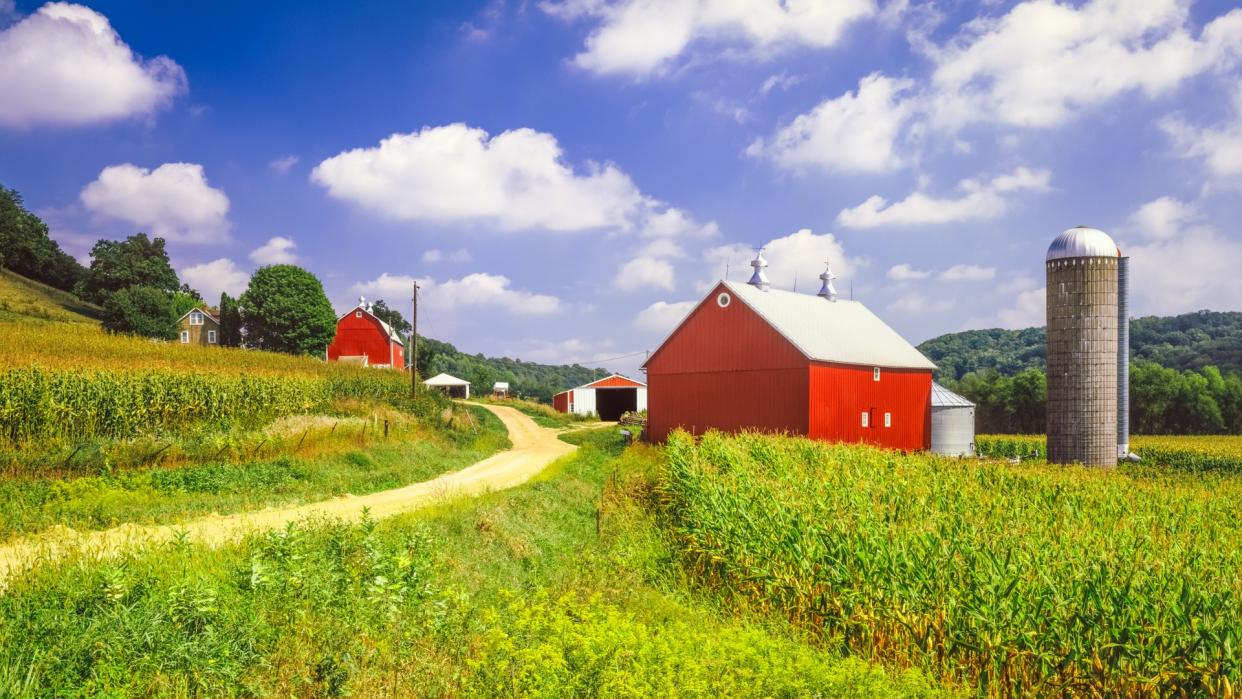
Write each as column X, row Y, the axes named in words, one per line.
column 609, row 398
column 363, row 338
column 750, row 357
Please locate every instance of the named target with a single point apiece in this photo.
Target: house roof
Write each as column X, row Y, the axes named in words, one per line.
column 841, row 331
column 942, row 397
column 392, row 334
column 445, row 380
column 614, row 380
column 204, row 311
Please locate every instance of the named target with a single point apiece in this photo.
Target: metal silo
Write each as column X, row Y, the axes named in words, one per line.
column 952, row 423
column 1082, row 296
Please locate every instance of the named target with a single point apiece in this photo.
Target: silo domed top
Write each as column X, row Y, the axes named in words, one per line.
column 1081, row 241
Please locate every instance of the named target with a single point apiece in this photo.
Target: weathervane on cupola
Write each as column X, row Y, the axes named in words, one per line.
column 828, row 291
column 759, row 278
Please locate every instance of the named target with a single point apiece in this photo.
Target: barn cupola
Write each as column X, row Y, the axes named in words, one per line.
column 827, row 290
column 759, row 278
column 362, row 302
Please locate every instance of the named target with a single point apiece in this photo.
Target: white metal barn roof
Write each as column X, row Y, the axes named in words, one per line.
column 500, row 386
column 843, row 332
column 1081, row 241
column 944, row 398
column 445, row 380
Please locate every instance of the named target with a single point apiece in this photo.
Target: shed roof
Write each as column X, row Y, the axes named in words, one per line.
column 443, row 379
column 942, row 397
column 500, row 386
column 614, row 381
column 842, row 332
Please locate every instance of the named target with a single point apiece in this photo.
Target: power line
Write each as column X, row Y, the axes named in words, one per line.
column 607, row 359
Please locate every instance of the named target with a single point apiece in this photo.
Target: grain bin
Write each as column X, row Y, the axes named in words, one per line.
column 1082, row 302
column 952, row 423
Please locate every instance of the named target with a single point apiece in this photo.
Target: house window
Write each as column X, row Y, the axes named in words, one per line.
column 196, row 318
column 875, row 374
column 211, row 337
column 866, row 419
column 185, row 337
column 888, row 419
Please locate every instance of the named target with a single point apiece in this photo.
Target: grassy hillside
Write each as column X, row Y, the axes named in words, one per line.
column 1189, row 341
column 28, row 301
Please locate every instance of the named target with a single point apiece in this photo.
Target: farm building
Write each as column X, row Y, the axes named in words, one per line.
column 609, row 398
column 752, row 357
column 198, row 327
column 500, row 389
column 952, row 423
column 452, row 386
column 362, row 338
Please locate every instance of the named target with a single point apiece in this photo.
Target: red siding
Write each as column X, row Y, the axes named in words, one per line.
column 561, row 402
column 727, row 369
column 364, row 336
column 839, row 394
column 615, row 382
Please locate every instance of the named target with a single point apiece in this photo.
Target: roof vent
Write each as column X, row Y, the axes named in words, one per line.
column 759, row 279
column 362, row 302
column 828, row 291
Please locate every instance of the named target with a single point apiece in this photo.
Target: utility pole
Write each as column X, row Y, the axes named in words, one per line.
column 414, row 346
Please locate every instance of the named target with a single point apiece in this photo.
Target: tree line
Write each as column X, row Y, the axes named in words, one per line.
column 1163, row 400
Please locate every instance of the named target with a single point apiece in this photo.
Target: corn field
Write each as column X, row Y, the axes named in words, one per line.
column 1188, row 453
column 1010, row 580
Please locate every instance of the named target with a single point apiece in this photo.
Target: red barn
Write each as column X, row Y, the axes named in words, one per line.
column 363, row 338
column 753, row 357
column 609, row 398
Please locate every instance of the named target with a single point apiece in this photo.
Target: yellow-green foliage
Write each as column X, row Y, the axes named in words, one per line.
column 27, row 301
column 1016, row 580
column 1190, row 453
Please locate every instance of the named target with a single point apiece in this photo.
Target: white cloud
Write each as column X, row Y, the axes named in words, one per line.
column 798, row 256
column 982, row 200
column 1220, row 147
column 918, row 302
column 671, row 222
column 461, row 255
column 211, row 278
column 968, row 273
column 856, row 132
column 471, row 291
column 284, row 163
column 1044, row 61
column 517, row 180
column 1028, row 310
column 641, row 38
column 661, row 247
column 661, row 317
column 904, row 272
column 66, row 65
column 276, row 251
column 172, row 201
column 643, row 274
column 780, row 81
column 1163, row 218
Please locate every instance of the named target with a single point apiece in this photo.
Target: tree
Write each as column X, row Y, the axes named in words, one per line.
column 141, row 310
column 135, row 261
column 393, row 317
column 26, row 247
column 230, row 321
column 285, row 310
column 183, row 303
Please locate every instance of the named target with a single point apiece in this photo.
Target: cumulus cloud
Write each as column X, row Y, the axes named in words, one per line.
column 517, row 180
column 968, row 273
column 66, row 65
column 283, row 164
column 641, row 38
column 1165, row 217
column 276, row 251
column 856, row 132
column 1042, row 62
column 212, row 278
column 461, row 255
column 172, row 201
column 661, row 317
column 920, row 303
column 904, row 272
column 471, row 291
column 1220, row 147
column 1027, row 310
column 798, row 256
column 979, row 201
column 644, row 274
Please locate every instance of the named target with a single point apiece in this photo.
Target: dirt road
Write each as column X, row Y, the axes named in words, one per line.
column 534, row 447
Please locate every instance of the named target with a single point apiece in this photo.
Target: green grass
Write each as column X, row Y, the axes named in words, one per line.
column 27, row 301
column 560, row 587
column 544, row 415
column 162, row 495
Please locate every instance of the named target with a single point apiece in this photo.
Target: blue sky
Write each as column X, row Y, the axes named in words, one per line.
column 567, row 177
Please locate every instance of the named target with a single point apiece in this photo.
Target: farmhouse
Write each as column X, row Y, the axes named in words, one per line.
column 452, row 386
column 609, row 398
column 362, row 338
column 198, row 327
column 752, row 357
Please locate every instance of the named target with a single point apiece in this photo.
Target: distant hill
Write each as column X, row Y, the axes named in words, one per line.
column 1189, row 341
column 528, row 379
column 26, row 300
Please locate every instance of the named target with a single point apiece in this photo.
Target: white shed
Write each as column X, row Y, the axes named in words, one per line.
column 500, row 389
column 451, row 385
column 609, row 398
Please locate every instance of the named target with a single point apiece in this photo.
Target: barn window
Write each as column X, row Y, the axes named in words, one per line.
column 185, row 337
column 866, row 419
column 723, row 300
column 196, row 318
column 357, row 314
column 211, row 337
column 888, row 419
column 875, row 374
